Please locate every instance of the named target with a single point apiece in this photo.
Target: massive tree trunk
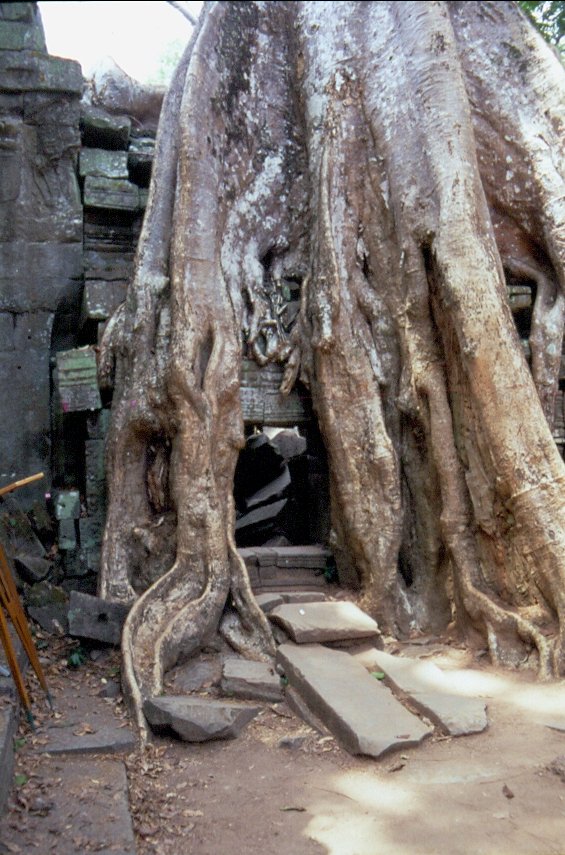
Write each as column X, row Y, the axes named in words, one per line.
column 396, row 160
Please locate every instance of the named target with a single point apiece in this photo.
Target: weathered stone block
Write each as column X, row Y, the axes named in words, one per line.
column 100, row 620
column 97, row 424
column 28, row 71
column 77, row 380
column 261, row 400
column 95, row 477
column 19, row 35
column 33, row 330
column 105, row 164
column 197, row 719
column 91, row 531
column 47, row 108
column 11, row 104
column 112, row 193
column 107, row 265
column 51, row 618
column 143, row 198
column 26, row 12
column 101, row 130
column 101, row 299
column 428, row 688
column 25, row 448
column 67, row 538
column 33, row 276
column 254, row 680
column 67, row 505
column 360, row 712
column 267, row 602
column 321, row 622
column 7, row 328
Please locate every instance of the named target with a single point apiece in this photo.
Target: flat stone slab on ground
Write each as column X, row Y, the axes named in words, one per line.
column 428, row 688
column 356, row 708
column 87, row 808
column 83, row 738
column 308, row 623
column 254, row 680
column 198, row 719
column 100, row 620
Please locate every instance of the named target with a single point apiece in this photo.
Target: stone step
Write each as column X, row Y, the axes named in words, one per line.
column 88, row 809
column 307, row 623
column 428, row 689
column 84, row 738
column 357, row 709
column 251, row 680
column 274, row 568
column 267, row 602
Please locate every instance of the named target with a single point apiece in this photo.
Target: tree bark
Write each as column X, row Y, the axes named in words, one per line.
column 395, row 160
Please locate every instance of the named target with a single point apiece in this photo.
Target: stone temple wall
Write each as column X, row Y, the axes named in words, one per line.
column 41, row 223
column 73, row 187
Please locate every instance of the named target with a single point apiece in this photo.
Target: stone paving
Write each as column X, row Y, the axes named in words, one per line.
column 371, row 702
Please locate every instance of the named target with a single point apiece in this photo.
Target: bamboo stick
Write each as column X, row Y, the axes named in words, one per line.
column 21, row 483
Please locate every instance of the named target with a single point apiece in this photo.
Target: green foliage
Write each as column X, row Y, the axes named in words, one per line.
column 549, row 17
column 167, row 63
column 76, row 658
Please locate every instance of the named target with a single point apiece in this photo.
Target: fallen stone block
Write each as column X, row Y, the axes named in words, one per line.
column 299, row 706
column 271, row 491
column 427, row 687
column 357, row 709
column 256, row 681
column 32, row 568
column 198, row 719
column 308, row 623
column 196, row 674
column 51, row 618
column 267, row 602
column 261, row 515
column 287, row 441
column 100, row 620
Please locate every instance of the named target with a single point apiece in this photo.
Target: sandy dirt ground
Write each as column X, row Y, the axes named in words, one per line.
column 284, row 789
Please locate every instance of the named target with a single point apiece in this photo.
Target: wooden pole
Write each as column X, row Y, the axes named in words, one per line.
column 14, row 667
column 22, row 483
column 11, row 602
